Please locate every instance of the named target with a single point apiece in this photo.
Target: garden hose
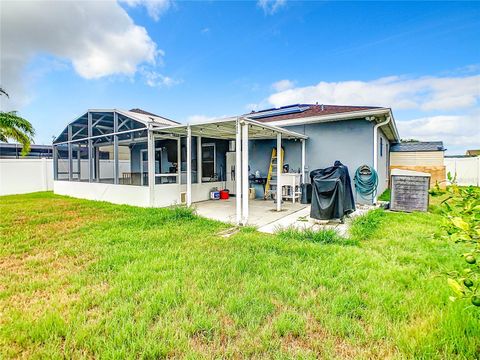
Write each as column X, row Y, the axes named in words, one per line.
column 366, row 182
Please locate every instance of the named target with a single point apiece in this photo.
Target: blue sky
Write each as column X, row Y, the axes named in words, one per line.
column 191, row 61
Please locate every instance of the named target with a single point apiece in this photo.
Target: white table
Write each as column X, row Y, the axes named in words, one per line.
column 291, row 183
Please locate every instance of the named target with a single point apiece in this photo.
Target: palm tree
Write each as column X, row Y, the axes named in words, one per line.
column 16, row 128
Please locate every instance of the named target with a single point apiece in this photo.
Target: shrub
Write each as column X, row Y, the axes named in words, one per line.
column 364, row 226
column 461, row 212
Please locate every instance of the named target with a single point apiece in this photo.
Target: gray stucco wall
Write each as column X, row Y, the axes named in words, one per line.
column 382, row 161
column 350, row 141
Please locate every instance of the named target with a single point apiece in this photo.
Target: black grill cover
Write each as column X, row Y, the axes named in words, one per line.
column 332, row 196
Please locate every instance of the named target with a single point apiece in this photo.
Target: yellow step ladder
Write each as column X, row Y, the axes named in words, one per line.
column 271, row 184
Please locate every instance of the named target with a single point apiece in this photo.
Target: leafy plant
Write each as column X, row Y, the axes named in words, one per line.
column 16, row 128
column 461, row 211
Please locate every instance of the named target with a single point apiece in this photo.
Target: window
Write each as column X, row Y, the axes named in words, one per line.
column 208, row 162
column 381, row 146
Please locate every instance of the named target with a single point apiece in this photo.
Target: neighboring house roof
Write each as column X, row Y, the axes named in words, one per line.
column 300, row 114
column 418, row 146
column 473, row 152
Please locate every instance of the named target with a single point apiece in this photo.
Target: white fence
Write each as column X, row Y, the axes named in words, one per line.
column 466, row 169
column 19, row 176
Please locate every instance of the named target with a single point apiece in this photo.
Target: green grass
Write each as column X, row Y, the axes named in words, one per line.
column 385, row 195
column 82, row 279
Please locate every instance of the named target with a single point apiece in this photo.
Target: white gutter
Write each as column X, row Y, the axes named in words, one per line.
column 375, row 146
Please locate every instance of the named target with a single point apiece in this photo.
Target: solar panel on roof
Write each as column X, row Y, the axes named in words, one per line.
column 277, row 112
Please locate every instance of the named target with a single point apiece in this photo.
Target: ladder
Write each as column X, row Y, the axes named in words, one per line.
column 271, row 184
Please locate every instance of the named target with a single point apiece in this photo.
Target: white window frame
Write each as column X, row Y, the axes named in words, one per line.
column 214, row 156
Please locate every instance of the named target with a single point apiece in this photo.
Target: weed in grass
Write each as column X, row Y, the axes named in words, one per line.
column 364, row 226
column 323, row 236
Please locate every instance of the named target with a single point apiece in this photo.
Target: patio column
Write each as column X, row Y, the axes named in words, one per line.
column 179, row 160
column 151, row 166
column 279, row 172
column 199, row 159
column 115, row 149
column 238, row 173
column 91, row 166
column 189, row 166
column 303, row 161
column 245, row 192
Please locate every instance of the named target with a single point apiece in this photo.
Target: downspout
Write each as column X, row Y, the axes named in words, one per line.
column 375, row 146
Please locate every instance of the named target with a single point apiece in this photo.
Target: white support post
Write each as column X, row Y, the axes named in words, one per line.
column 116, row 173
column 179, row 161
column 238, row 173
column 70, row 154
column 279, row 171
column 199, row 159
column 151, row 166
column 245, row 185
column 189, row 166
column 303, row 161
column 91, row 165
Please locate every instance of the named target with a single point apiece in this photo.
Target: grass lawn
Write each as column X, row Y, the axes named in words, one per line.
column 82, row 279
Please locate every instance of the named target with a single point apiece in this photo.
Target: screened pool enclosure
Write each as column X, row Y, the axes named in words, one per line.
column 138, row 158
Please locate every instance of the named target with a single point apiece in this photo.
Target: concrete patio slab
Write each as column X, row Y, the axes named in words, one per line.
column 261, row 212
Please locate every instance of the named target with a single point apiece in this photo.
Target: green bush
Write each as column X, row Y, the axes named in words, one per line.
column 363, row 227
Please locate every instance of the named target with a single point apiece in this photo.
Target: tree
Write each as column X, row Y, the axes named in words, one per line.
column 15, row 128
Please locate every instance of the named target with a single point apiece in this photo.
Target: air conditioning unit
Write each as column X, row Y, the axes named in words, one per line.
column 409, row 190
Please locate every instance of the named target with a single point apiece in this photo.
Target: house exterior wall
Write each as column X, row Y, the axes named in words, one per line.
column 383, row 172
column 431, row 162
column 417, row 158
column 350, row 141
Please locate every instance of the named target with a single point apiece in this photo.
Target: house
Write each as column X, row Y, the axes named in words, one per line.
column 473, row 152
column 14, row 151
column 420, row 156
column 139, row 158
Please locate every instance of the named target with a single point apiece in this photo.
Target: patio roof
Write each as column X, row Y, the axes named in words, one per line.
column 227, row 128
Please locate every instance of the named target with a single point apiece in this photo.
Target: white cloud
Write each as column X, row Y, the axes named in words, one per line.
column 456, row 131
column 155, row 8
column 270, row 7
column 205, row 30
column 155, row 79
column 283, row 85
column 97, row 37
column 424, row 93
column 195, row 119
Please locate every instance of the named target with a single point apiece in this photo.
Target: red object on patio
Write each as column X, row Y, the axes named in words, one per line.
column 224, row 194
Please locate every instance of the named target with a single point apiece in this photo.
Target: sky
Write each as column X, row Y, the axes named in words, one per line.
column 193, row 61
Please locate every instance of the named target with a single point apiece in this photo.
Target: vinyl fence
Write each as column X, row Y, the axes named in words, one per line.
column 20, row 176
column 466, row 169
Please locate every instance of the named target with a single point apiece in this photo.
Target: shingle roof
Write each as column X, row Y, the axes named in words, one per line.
column 418, row 146
column 310, row 110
